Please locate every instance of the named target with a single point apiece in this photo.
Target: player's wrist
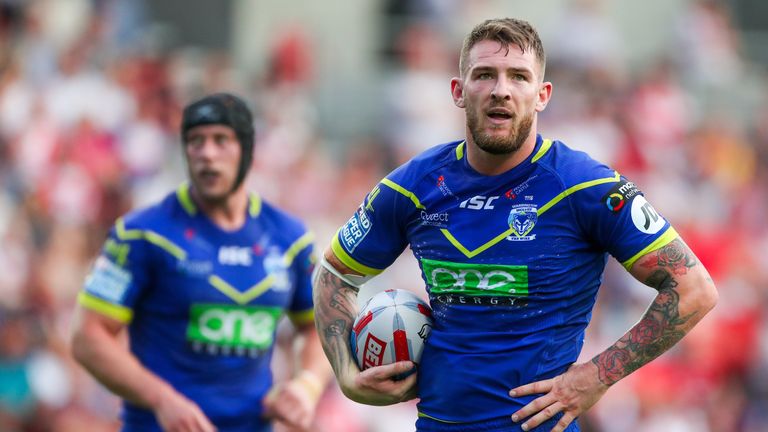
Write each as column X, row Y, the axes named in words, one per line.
column 311, row 383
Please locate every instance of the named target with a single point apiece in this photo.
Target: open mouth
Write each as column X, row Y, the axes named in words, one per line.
column 208, row 175
column 499, row 114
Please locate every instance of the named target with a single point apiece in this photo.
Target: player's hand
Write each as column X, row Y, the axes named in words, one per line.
column 382, row 385
column 572, row 393
column 293, row 403
column 176, row 413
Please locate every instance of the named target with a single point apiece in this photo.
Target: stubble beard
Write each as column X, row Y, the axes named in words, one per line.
column 500, row 145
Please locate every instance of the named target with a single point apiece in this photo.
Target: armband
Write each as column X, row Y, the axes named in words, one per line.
column 355, row 281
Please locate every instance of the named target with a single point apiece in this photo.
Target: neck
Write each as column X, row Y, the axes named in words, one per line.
column 493, row 164
column 228, row 213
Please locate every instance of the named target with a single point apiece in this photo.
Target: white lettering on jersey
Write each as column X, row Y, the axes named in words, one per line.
column 235, row 255
column 479, row 202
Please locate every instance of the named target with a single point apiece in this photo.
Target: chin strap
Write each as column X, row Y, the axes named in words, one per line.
column 355, row 281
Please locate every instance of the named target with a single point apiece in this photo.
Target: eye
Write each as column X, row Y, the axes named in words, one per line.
column 484, row 76
column 520, row 77
column 195, row 141
column 221, row 139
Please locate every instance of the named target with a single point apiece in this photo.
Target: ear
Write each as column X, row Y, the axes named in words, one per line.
column 545, row 93
column 457, row 91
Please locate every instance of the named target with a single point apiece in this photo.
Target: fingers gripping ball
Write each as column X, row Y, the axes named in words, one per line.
column 392, row 326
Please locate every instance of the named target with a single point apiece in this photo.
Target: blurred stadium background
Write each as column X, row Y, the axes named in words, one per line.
column 673, row 93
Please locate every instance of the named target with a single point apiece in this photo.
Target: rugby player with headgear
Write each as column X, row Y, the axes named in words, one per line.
column 200, row 281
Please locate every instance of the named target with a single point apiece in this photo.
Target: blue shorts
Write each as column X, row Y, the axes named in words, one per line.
column 501, row 424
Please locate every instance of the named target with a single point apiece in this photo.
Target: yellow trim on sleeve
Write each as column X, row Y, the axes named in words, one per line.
column 150, row 236
column 460, row 150
column 297, row 247
column 182, row 194
column 394, row 186
column 577, row 188
column 117, row 312
column 545, row 146
column 659, row 243
column 348, row 261
column 302, row 317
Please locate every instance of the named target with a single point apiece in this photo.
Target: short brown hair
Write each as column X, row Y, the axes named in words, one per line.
column 506, row 31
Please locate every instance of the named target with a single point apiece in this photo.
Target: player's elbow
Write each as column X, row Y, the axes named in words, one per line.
column 84, row 339
column 706, row 295
column 80, row 345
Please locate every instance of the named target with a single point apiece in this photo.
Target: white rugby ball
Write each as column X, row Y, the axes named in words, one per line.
column 392, row 326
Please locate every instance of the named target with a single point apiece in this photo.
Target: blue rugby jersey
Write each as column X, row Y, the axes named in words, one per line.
column 511, row 262
column 202, row 304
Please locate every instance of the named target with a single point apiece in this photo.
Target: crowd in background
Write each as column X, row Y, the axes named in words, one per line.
column 89, row 129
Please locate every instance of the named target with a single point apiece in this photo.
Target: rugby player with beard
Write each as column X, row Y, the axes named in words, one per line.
column 513, row 268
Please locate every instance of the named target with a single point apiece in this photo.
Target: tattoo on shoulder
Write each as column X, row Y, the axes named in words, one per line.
column 676, row 256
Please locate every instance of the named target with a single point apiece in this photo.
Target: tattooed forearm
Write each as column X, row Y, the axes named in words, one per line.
column 335, row 310
column 663, row 325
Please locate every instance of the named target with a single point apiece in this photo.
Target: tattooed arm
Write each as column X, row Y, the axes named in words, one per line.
column 335, row 311
column 686, row 293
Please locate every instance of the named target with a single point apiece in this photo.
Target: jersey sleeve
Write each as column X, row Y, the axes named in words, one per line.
column 118, row 275
column 618, row 218
column 301, row 309
column 375, row 235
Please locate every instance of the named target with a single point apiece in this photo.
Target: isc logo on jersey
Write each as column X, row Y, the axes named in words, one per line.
column 235, row 255
column 479, row 202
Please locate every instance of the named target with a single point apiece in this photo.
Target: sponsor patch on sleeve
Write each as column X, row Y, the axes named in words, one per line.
column 620, row 195
column 108, row 280
column 645, row 217
column 356, row 228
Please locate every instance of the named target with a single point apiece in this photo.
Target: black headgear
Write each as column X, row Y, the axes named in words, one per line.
column 228, row 110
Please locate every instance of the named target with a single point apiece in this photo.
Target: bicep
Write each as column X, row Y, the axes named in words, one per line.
column 667, row 266
column 93, row 333
column 675, row 271
column 88, row 322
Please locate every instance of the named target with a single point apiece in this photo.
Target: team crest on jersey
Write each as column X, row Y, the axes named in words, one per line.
column 274, row 265
column 522, row 218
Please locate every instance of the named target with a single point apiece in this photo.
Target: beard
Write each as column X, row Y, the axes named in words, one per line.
column 500, row 145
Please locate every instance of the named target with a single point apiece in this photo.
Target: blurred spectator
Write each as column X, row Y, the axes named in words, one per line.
column 418, row 110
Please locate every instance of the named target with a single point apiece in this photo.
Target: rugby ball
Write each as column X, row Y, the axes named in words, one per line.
column 392, row 326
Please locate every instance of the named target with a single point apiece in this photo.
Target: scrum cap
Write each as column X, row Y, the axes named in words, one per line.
column 225, row 109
